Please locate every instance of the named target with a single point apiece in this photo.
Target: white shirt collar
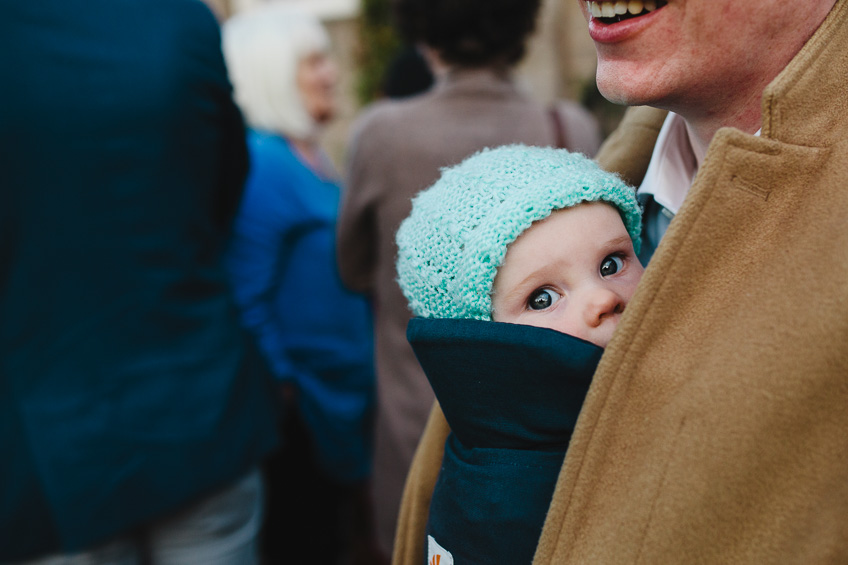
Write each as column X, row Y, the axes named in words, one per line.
column 676, row 159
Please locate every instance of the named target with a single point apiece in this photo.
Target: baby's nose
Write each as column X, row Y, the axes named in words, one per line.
column 602, row 303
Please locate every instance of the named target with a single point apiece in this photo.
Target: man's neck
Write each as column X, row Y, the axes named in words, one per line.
column 741, row 105
column 703, row 126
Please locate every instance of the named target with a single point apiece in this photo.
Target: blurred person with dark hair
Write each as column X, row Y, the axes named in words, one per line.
column 470, row 34
column 133, row 411
column 408, row 74
column 397, row 149
column 316, row 335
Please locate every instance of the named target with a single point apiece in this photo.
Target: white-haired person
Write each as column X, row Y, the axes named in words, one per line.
column 315, row 335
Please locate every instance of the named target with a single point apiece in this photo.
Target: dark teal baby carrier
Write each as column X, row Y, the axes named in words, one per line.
column 511, row 394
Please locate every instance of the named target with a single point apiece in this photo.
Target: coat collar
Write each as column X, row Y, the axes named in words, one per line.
column 805, row 105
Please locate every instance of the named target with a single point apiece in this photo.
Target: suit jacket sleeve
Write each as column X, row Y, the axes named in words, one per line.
column 232, row 165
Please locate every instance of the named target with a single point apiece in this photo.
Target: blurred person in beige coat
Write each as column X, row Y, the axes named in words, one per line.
column 397, row 150
column 715, row 427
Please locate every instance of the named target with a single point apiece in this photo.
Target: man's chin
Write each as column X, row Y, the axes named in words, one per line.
column 619, row 96
column 626, row 92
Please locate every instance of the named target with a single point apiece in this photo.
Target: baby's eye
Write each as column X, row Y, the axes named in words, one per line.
column 542, row 299
column 611, row 265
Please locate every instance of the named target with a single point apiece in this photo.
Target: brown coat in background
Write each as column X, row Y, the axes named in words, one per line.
column 397, row 151
column 716, row 428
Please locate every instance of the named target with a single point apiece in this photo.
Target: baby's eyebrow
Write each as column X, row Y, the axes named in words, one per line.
column 616, row 241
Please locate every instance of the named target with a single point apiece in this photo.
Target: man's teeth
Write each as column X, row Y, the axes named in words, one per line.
column 620, row 7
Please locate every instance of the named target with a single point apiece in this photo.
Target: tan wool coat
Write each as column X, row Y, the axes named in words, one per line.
column 716, row 427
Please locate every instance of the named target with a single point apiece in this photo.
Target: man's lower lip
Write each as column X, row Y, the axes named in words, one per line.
column 613, row 33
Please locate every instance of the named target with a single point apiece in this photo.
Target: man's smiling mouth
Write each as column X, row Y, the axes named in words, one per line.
column 613, row 12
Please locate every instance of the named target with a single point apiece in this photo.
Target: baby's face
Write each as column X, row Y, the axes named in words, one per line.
column 574, row 272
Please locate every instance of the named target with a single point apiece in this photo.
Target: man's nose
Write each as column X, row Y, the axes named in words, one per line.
column 600, row 304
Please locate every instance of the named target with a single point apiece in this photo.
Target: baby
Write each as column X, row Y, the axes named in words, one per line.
column 504, row 248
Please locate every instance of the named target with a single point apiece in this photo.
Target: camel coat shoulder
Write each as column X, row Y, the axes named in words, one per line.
column 714, row 430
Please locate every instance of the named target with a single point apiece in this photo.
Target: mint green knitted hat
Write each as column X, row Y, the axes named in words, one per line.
column 451, row 245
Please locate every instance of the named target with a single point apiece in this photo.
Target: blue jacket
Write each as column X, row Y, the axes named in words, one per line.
column 127, row 386
column 313, row 332
column 511, row 394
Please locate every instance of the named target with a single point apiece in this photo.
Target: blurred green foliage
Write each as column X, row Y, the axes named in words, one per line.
column 378, row 44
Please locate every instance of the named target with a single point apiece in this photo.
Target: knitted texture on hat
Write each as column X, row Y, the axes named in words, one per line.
column 451, row 245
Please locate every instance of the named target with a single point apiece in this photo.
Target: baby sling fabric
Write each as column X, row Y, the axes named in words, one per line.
column 511, row 394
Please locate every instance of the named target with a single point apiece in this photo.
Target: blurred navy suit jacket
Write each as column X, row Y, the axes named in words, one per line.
column 127, row 388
